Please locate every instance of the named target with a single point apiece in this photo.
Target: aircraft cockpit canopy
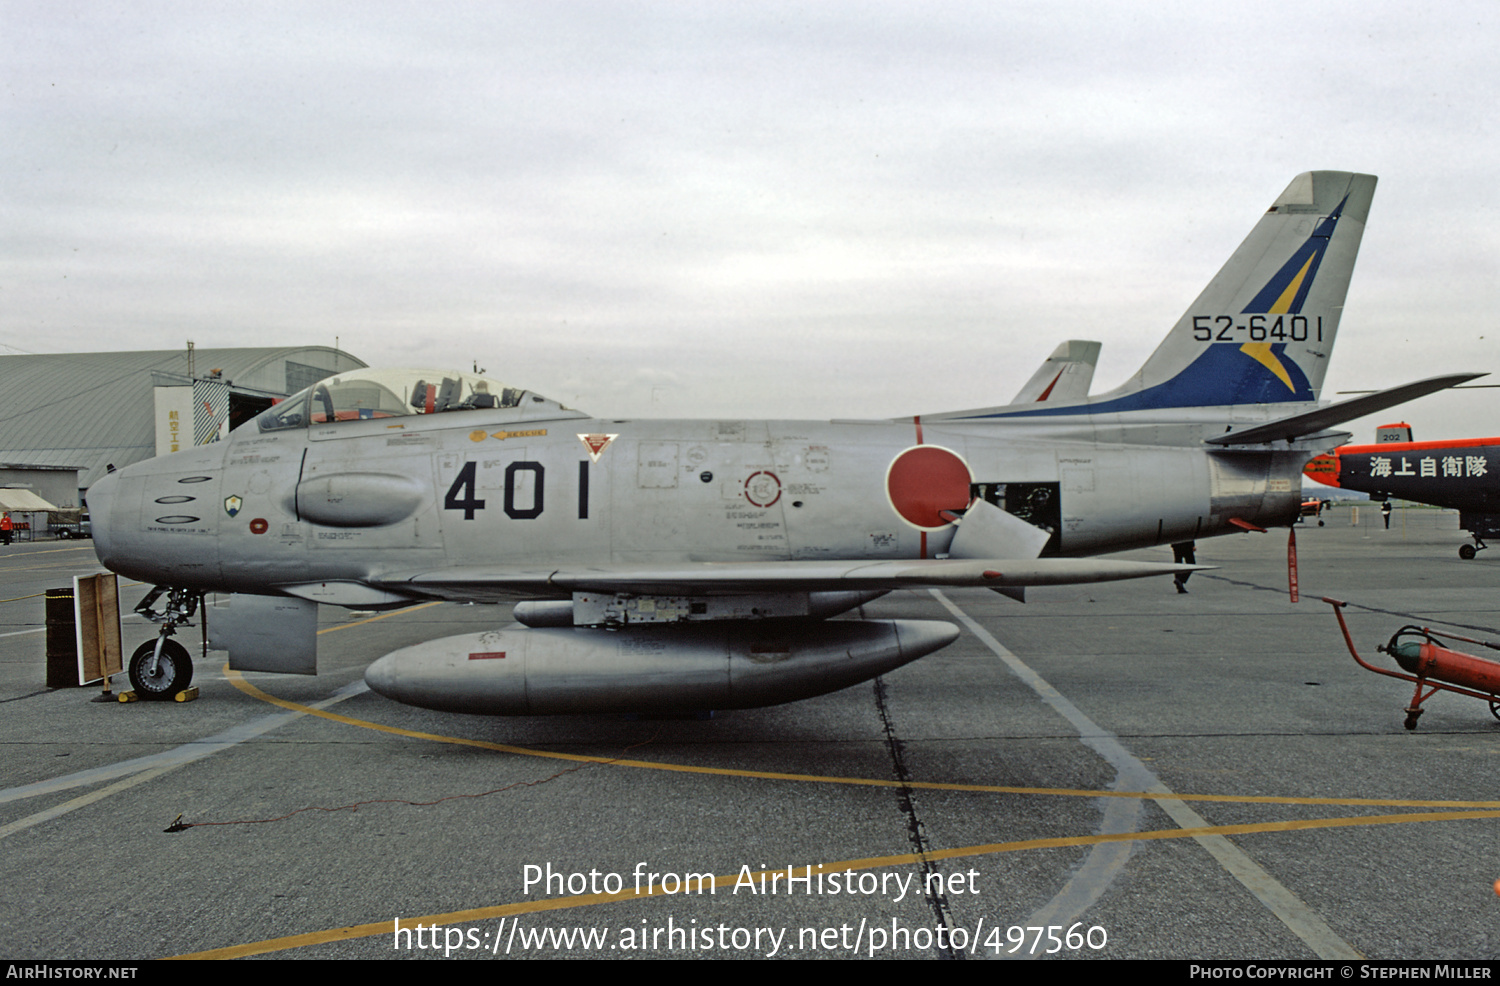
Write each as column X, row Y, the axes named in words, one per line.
column 368, row 393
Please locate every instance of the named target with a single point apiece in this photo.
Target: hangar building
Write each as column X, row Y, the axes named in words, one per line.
column 85, row 411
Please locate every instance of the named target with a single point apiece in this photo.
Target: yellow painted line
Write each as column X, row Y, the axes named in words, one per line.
column 85, row 800
column 589, row 900
column 382, row 616
column 249, row 689
column 237, row 678
column 1474, row 810
column 239, row 682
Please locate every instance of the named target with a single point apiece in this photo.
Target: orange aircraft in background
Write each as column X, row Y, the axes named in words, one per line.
column 1461, row 473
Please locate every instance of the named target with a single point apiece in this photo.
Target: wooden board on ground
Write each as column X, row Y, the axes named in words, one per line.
column 96, row 608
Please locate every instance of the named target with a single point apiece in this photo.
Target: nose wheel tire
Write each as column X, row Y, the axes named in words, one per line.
column 174, row 671
column 1466, row 552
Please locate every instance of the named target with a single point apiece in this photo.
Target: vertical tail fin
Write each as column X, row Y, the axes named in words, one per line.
column 1262, row 331
column 1398, row 432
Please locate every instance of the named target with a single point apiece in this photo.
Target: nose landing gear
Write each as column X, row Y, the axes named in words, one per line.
column 161, row 668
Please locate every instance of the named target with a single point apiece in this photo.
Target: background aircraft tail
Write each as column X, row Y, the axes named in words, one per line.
column 1064, row 377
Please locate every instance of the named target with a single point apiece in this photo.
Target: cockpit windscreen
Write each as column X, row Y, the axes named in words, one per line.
column 364, row 394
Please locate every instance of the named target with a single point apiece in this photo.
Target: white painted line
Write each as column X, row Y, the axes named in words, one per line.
column 1302, row 920
column 177, row 756
column 84, row 800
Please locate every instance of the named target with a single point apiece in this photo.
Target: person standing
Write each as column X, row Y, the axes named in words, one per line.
column 1184, row 553
column 1385, row 511
column 6, row 528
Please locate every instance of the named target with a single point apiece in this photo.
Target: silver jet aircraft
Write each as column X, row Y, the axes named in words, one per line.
column 677, row 565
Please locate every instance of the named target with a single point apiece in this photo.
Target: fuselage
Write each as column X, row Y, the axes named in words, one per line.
column 1462, row 474
column 538, row 484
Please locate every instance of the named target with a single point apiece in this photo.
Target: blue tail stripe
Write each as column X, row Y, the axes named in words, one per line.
column 1315, row 247
column 1222, row 374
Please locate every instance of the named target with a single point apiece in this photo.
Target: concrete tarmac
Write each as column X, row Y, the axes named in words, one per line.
column 954, row 806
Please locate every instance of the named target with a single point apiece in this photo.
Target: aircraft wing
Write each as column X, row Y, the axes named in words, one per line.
column 483, row 584
column 1311, row 422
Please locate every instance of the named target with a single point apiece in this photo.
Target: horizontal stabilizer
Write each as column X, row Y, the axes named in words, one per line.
column 1310, row 422
column 731, row 578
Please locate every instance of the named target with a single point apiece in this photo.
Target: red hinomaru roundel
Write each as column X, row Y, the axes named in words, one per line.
column 924, row 480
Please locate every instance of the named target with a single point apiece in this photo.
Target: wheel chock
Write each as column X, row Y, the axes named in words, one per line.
column 186, row 695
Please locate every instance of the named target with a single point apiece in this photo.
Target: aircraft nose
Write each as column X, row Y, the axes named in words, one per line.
column 100, row 499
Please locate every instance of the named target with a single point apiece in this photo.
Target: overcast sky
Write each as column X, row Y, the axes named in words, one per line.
column 737, row 209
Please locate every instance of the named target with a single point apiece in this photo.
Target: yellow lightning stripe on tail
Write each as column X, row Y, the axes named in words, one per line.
column 1261, row 353
column 1283, row 304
